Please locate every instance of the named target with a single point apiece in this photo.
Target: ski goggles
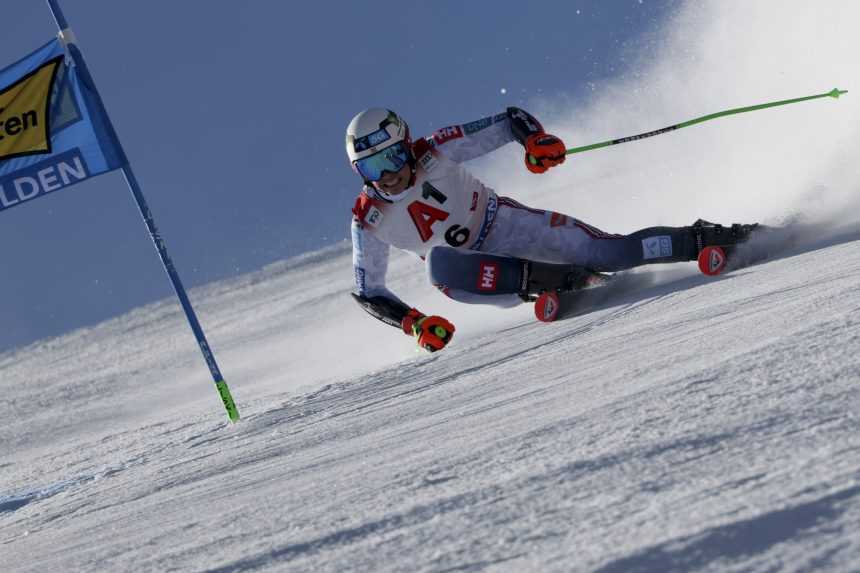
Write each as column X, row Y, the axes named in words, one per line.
column 392, row 159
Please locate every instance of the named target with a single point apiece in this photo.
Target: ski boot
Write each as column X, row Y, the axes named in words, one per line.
column 717, row 244
column 545, row 283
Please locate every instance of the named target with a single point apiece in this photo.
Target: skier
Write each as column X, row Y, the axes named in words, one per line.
column 480, row 247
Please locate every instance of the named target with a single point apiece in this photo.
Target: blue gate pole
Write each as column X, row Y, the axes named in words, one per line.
column 223, row 390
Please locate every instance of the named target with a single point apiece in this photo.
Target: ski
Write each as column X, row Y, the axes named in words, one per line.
column 757, row 244
column 543, row 284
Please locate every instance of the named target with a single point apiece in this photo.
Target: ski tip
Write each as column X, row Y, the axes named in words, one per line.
column 712, row 261
column 547, row 306
column 836, row 92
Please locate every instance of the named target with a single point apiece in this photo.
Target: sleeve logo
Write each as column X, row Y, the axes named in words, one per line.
column 24, row 110
column 447, row 134
column 374, row 217
column 476, row 126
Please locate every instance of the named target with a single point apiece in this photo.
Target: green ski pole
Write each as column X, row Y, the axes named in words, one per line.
column 834, row 93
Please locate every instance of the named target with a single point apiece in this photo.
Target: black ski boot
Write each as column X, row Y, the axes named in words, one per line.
column 717, row 247
column 709, row 234
column 546, row 282
column 543, row 277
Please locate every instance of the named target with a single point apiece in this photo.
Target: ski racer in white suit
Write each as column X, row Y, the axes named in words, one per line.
column 418, row 197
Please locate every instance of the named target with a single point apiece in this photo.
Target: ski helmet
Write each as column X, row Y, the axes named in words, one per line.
column 377, row 140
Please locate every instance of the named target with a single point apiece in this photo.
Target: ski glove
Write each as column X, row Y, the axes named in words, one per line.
column 433, row 332
column 544, row 151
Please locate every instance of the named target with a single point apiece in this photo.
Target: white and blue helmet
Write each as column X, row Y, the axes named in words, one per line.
column 377, row 140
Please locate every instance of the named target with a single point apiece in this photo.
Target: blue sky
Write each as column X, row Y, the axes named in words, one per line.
column 233, row 117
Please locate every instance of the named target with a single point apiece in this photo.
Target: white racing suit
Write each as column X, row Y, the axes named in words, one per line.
column 448, row 206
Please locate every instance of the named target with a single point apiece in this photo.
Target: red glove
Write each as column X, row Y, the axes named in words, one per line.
column 544, row 151
column 433, row 332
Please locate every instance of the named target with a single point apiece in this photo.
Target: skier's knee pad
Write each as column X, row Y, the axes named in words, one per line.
column 473, row 271
column 442, row 263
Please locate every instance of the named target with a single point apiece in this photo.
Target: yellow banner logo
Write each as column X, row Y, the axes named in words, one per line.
column 24, row 128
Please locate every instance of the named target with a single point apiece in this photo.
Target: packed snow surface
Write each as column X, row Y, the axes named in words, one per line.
column 673, row 423
column 676, row 422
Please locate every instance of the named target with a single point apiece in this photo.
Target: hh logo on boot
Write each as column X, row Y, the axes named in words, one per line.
column 488, row 277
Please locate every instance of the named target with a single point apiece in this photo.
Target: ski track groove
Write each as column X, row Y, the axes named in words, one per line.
column 719, row 544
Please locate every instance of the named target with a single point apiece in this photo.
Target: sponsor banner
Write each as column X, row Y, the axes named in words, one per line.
column 41, row 178
column 24, row 111
column 53, row 130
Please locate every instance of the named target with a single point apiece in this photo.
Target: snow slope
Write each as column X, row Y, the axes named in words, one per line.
column 674, row 424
